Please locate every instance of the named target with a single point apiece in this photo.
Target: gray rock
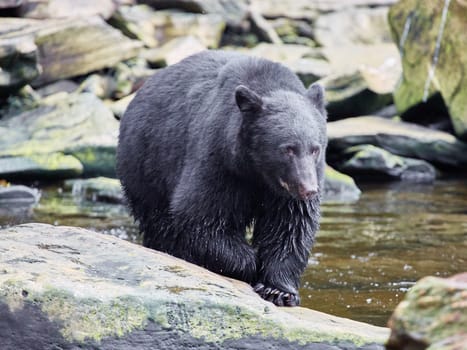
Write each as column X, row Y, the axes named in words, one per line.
column 234, row 12
column 101, row 189
column 339, row 188
column 373, row 162
column 367, row 26
column 64, row 287
column 18, row 195
column 173, row 51
column 401, row 138
column 41, row 9
column 262, row 28
column 63, row 48
column 154, row 28
column 7, row 4
column 18, row 65
column 68, row 135
column 65, row 85
column 119, row 107
column 293, row 31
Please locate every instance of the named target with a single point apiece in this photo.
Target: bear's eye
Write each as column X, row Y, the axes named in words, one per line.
column 314, row 151
column 291, row 150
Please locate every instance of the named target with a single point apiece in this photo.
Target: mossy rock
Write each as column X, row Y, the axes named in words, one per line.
column 80, row 289
column 417, row 27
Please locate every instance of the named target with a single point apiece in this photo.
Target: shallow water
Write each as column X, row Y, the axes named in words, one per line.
column 367, row 253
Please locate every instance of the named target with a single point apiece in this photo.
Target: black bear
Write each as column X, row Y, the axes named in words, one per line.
column 219, row 142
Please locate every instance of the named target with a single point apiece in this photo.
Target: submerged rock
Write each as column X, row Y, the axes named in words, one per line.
column 373, row 162
column 339, row 187
column 102, row 189
column 432, row 40
column 400, row 138
column 432, row 316
column 18, row 195
column 63, row 48
column 77, row 288
column 68, row 135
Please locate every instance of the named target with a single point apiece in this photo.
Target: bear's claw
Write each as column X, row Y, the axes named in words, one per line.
column 277, row 296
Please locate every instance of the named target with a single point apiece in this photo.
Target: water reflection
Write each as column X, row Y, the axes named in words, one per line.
column 370, row 252
column 367, row 253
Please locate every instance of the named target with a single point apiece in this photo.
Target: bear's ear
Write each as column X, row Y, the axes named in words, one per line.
column 247, row 100
column 316, row 94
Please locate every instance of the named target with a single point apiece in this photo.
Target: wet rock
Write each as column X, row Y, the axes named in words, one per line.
column 401, row 138
column 432, row 316
column 101, row 189
column 339, row 187
column 367, row 26
column 76, row 288
column 18, row 195
column 433, row 56
column 66, row 48
column 41, row 9
column 378, row 164
column 18, row 65
column 234, row 12
column 68, row 135
column 154, row 28
column 173, row 51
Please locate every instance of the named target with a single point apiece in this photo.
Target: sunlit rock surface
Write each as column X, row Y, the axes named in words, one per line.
column 433, row 43
column 68, row 287
column 433, row 316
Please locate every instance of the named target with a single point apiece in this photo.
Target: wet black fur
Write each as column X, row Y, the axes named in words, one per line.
column 197, row 171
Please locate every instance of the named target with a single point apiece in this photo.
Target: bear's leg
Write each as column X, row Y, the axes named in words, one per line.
column 283, row 237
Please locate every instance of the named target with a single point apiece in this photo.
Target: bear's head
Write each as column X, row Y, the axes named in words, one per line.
column 284, row 134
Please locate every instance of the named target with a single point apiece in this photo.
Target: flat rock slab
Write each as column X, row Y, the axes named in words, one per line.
column 404, row 139
column 64, row 47
column 64, row 287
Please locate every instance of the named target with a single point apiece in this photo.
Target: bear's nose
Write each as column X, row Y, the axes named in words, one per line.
column 306, row 192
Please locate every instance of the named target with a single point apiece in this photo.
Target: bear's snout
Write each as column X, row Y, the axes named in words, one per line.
column 306, row 191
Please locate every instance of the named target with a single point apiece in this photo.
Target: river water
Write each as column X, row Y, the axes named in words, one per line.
column 367, row 254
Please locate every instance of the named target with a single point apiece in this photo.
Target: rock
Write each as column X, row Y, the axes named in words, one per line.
column 101, row 189
column 6, row 4
column 262, row 28
column 234, row 12
column 293, row 31
column 97, row 46
column 18, row 63
column 304, row 9
column 373, row 162
column 433, row 56
column 68, row 135
column 77, row 288
column 18, row 195
column 41, row 9
column 23, row 100
column 366, row 26
column 102, row 86
column 65, row 85
column 339, row 187
column 302, row 60
column 400, row 138
column 119, row 107
column 154, row 28
column 432, row 316
column 350, row 94
column 173, row 51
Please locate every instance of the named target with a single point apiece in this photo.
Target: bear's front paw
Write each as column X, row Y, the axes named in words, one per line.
column 276, row 296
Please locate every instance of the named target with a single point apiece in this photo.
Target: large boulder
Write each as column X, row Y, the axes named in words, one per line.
column 64, row 287
column 158, row 27
column 432, row 316
column 432, row 40
column 67, row 136
column 339, row 188
column 401, row 138
column 61, row 48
